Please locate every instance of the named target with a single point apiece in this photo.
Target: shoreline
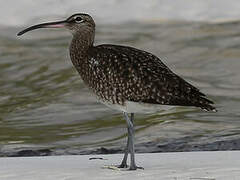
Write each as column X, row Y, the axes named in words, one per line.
column 148, row 147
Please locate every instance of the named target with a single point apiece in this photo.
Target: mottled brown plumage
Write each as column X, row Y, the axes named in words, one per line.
column 118, row 75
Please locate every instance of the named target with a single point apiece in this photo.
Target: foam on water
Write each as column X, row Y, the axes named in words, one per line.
column 19, row 13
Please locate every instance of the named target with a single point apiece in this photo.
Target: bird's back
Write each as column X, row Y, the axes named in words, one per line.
column 120, row 74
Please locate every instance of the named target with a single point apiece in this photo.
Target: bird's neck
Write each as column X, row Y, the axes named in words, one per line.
column 81, row 42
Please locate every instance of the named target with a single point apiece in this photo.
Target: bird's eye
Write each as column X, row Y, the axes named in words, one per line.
column 78, row 19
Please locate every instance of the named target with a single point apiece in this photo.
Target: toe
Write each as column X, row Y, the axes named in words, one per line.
column 135, row 167
column 122, row 166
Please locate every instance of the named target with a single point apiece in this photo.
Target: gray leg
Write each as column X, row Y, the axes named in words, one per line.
column 131, row 141
column 124, row 161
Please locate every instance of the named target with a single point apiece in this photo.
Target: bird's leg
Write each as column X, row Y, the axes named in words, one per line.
column 129, row 147
column 131, row 141
column 124, row 161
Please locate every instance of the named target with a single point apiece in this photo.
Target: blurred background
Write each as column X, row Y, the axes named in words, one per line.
column 45, row 109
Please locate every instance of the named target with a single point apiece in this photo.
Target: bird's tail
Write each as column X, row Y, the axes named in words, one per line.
column 206, row 104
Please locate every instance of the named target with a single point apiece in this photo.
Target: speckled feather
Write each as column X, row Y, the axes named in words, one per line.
column 117, row 74
column 120, row 73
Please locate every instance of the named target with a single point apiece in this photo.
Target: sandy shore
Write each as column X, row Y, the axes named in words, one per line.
column 221, row 165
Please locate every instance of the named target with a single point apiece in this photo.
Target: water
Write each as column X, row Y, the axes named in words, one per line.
column 115, row 11
column 45, row 107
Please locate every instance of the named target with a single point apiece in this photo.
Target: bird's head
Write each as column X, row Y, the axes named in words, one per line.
column 74, row 23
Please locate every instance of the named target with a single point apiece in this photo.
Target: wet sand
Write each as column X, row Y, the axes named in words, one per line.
column 149, row 147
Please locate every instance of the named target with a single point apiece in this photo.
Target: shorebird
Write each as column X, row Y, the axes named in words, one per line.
column 125, row 78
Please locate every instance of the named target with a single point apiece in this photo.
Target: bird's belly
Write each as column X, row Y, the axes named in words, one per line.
column 137, row 107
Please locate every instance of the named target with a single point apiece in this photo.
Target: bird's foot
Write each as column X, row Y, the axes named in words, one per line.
column 122, row 166
column 116, row 167
column 134, row 167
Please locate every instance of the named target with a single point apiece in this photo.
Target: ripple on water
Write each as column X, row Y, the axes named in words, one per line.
column 44, row 104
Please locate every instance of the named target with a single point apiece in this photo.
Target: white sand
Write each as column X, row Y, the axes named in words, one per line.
column 159, row 166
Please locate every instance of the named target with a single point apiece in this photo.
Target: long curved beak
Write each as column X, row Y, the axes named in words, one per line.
column 57, row 24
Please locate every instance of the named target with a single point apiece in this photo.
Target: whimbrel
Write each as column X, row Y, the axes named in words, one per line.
column 125, row 78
